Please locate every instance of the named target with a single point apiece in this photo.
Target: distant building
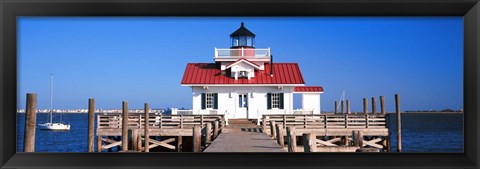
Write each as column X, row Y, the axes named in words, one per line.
column 245, row 83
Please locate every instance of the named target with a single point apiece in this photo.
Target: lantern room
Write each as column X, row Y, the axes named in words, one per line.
column 242, row 38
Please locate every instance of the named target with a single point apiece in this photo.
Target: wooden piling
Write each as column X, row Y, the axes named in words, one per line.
column 197, row 138
column 357, row 138
column 280, row 139
column 374, row 106
column 309, row 142
column 146, row 135
column 365, row 106
column 382, row 104
column 215, row 129
column 124, row 126
column 30, row 123
column 179, row 144
column 91, row 122
column 134, row 139
column 399, row 123
column 336, row 107
column 273, row 132
column 208, row 132
column 342, row 106
column 139, row 141
column 348, row 107
column 292, row 139
column 99, row 144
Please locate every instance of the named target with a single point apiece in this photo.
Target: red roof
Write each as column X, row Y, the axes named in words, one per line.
column 308, row 89
column 242, row 60
column 210, row 73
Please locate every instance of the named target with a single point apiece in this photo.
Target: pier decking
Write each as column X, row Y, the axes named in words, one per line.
column 244, row 138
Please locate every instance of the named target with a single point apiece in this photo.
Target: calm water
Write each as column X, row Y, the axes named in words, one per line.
column 420, row 133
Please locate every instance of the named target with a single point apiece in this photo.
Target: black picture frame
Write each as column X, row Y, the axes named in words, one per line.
column 10, row 10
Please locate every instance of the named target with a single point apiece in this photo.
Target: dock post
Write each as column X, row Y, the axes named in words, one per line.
column 374, row 106
column 91, row 118
column 264, row 125
column 399, row 123
column 134, row 139
column 99, row 144
column 292, row 139
column 342, row 106
column 273, row 132
column 147, row 127
column 215, row 129
column 365, row 106
column 280, row 139
column 197, row 138
column 208, row 132
column 30, row 123
column 336, row 107
column 357, row 138
column 348, row 107
column 382, row 104
column 179, row 144
column 309, row 142
column 124, row 126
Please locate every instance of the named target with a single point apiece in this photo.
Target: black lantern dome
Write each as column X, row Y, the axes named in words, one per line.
column 242, row 37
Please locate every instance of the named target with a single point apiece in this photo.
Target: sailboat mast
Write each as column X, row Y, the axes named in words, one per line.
column 51, row 98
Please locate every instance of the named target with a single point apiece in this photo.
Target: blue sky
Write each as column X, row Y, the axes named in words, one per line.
column 142, row 59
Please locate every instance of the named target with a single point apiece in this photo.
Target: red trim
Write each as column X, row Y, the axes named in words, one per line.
column 308, row 89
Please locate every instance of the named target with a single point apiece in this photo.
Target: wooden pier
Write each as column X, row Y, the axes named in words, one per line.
column 330, row 130
column 163, row 130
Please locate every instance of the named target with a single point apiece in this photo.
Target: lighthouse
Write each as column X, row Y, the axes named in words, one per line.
column 240, row 85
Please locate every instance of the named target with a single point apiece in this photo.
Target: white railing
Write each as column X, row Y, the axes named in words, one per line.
column 191, row 112
column 242, row 53
column 184, row 112
column 279, row 111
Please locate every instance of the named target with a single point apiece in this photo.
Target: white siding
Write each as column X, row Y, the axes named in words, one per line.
column 311, row 101
column 228, row 99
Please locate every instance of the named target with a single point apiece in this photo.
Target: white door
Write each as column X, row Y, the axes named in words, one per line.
column 242, row 108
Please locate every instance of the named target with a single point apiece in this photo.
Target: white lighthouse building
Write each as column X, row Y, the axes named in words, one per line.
column 244, row 83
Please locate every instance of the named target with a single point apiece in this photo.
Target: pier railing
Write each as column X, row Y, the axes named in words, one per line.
column 328, row 121
column 242, row 53
column 137, row 121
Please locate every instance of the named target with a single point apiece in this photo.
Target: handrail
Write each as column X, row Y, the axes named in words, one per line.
column 242, row 52
column 354, row 121
column 137, row 121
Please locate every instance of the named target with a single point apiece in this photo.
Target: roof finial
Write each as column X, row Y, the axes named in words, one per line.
column 242, row 23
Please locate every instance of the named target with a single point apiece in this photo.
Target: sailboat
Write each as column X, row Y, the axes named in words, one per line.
column 50, row 125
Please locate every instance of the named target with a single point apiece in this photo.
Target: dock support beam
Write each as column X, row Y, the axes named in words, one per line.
column 273, row 132
column 357, row 138
column 91, row 122
column 309, row 142
column 342, row 104
column 382, row 104
column 197, row 139
column 399, row 123
column 348, row 107
column 374, row 106
column 30, row 123
column 336, row 107
column 280, row 139
column 215, row 129
column 124, row 126
column 208, row 132
column 146, row 110
column 365, row 106
column 292, row 139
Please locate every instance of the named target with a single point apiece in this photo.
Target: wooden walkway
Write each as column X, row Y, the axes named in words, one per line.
column 244, row 138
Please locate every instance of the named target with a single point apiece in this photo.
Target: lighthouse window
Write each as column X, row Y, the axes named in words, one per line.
column 210, row 99
column 243, row 74
column 243, row 41
column 275, row 100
